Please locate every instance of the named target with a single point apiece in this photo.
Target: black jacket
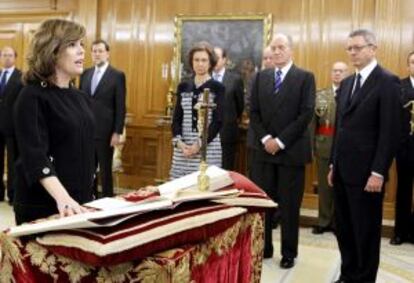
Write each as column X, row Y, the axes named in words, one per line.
column 187, row 87
column 7, row 100
column 54, row 132
column 285, row 115
column 367, row 127
column 232, row 107
column 108, row 102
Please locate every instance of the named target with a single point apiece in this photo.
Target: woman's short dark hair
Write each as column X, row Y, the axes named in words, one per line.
column 50, row 39
column 203, row 46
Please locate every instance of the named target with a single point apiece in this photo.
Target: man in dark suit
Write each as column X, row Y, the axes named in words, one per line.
column 106, row 87
column 404, row 216
column 253, row 167
column 365, row 142
column 282, row 105
column 232, row 108
column 10, row 86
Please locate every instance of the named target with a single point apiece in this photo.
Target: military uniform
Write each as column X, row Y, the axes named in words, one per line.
column 325, row 108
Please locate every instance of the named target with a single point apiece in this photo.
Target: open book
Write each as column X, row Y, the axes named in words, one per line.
column 112, row 211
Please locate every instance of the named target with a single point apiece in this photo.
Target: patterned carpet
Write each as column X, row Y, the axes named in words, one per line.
column 319, row 261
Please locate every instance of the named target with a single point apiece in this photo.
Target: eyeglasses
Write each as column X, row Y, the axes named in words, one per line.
column 357, row 48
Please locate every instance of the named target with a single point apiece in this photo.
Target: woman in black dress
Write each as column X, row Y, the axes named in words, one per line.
column 54, row 127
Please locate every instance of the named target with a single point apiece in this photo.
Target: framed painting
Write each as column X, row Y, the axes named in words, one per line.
column 243, row 36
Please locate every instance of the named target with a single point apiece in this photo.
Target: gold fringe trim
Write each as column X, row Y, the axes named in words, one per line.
column 226, row 240
column 162, row 267
column 9, row 256
column 257, row 244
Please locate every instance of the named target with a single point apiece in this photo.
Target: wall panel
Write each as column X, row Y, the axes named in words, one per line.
column 141, row 35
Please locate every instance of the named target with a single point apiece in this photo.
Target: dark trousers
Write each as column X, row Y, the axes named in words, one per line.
column 104, row 154
column 358, row 216
column 228, row 157
column 325, row 194
column 404, row 216
column 2, row 149
column 253, row 165
column 285, row 183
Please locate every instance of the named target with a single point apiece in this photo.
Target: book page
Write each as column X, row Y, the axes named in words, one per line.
column 85, row 220
column 108, row 203
column 219, row 178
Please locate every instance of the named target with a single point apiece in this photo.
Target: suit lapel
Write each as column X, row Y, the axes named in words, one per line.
column 284, row 88
column 9, row 83
column 365, row 90
column 269, row 83
column 88, row 78
column 103, row 80
column 406, row 83
column 344, row 94
column 226, row 78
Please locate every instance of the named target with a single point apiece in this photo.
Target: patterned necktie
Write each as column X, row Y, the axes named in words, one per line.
column 278, row 81
column 3, row 82
column 95, row 81
column 357, row 86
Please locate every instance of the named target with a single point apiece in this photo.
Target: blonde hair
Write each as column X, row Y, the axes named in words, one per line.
column 50, row 39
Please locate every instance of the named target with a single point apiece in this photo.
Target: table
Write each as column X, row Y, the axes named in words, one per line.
column 205, row 241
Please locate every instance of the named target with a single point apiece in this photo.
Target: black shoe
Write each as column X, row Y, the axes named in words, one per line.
column 287, row 262
column 317, row 230
column 340, row 281
column 397, row 240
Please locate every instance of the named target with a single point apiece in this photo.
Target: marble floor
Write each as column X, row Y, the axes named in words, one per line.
column 318, row 260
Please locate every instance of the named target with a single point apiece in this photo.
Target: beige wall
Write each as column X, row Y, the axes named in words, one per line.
column 141, row 35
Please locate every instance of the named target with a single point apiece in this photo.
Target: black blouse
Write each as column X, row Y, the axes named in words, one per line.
column 217, row 116
column 55, row 137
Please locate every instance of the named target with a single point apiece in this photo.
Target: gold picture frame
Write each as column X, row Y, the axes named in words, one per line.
column 243, row 36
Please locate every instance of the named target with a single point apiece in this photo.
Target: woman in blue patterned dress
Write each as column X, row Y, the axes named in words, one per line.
column 186, row 142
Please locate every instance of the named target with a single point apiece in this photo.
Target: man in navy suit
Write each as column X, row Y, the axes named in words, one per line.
column 365, row 142
column 106, row 87
column 282, row 103
column 10, row 86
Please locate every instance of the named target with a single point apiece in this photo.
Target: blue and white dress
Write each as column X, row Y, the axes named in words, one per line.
column 184, row 126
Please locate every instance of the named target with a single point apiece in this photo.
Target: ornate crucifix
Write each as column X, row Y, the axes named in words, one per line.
column 203, row 108
column 410, row 106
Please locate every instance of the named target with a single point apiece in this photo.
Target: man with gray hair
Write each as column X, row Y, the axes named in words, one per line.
column 365, row 142
column 282, row 105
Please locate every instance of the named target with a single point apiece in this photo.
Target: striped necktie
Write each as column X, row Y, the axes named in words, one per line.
column 278, row 81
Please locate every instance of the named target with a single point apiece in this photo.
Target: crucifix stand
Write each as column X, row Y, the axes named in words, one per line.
column 203, row 108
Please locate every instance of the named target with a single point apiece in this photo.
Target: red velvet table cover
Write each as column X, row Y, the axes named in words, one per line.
column 219, row 241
